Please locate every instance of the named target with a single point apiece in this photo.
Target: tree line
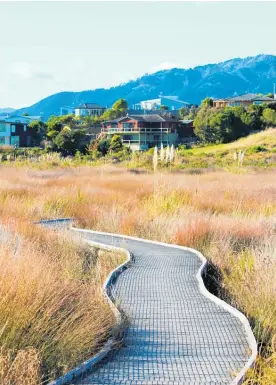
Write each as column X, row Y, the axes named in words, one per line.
column 68, row 134
column 213, row 125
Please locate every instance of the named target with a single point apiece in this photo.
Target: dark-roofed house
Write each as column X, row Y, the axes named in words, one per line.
column 140, row 132
column 89, row 109
column 242, row 100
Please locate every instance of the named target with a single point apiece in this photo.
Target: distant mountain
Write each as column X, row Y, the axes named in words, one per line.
column 236, row 76
column 7, row 110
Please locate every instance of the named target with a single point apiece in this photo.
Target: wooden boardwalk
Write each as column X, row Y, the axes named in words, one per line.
column 177, row 333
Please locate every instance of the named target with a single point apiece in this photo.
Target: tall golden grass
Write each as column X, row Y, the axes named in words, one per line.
column 229, row 217
column 52, row 313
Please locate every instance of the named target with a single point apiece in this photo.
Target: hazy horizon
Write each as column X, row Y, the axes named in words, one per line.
column 79, row 46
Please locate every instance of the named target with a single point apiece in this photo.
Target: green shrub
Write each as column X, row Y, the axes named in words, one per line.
column 255, row 149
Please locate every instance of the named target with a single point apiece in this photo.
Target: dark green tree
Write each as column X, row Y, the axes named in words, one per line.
column 120, row 105
column 118, row 109
column 109, row 115
column 207, row 102
column 221, row 126
column 116, row 143
column 68, row 141
column 272, row 106
column 103, row 146
column 202, row 125
column 38, row 131
column 183, row 112
column 269, row 117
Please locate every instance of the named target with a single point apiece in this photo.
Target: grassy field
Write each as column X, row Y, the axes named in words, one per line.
column 259, row 151
column 52, row 314
column 229, row 217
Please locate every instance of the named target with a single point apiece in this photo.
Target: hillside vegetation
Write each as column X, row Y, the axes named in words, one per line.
column 259, row 151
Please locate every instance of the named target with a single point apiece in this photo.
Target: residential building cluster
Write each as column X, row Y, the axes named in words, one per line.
column 148, row 123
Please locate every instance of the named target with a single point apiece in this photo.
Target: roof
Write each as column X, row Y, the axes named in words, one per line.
column 91, row 106
column 20, row 118
column 246, row 98
column 158, row 100
column 113, row 120
column 151, row 118
column 175, row 99
column 265, row 99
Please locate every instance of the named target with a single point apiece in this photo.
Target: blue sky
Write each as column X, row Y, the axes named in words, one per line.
column 47, row 47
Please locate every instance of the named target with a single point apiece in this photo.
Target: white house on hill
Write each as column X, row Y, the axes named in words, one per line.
column 172, row 102
column 89, row 109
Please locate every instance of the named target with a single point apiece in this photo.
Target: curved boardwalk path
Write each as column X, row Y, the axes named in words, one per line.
column 175, row 335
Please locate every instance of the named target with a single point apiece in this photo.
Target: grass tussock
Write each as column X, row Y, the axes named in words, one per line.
column 52, row 312
column 229, row 217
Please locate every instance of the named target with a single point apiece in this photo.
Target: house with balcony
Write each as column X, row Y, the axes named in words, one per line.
column 242, row 100
column 15, row 131
column 89, row 109
column 141, row 132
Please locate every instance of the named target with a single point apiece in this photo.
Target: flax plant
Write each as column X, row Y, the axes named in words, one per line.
column 155, row 158
column 168, row 154
column 162, row 153
column 172, row 154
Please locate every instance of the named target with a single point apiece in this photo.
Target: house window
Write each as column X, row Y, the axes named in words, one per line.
column 15, row 141
column 127, row 137
column 13, row 128
column 127, row 126
column 2, row 140
column 234, row 104
column 2, row 127
column 25, row 128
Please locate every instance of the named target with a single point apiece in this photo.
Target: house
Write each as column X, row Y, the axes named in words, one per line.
column 15, row 131
column 89, row 109
column 171, row 102
column 65, row 110
column 242, row 100
column 141, row 132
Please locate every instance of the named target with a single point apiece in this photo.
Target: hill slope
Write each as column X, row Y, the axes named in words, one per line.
column 259, row 151
column 252, row 74
column 6, row 110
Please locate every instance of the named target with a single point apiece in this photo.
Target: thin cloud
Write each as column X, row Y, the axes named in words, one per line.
column 26, row 70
